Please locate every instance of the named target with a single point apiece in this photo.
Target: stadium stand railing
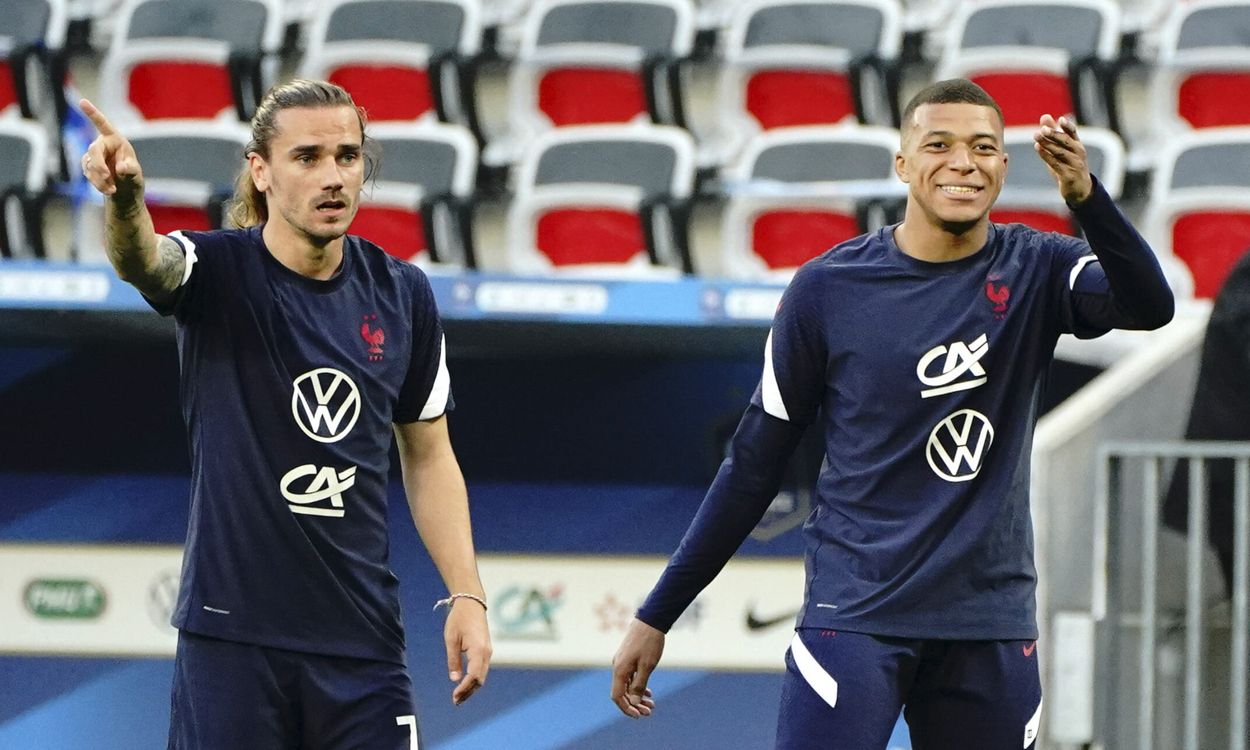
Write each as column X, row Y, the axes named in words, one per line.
column 1144, row 395
column 1191, row 650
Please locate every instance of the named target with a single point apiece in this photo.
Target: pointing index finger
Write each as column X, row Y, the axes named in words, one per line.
column 97, row 118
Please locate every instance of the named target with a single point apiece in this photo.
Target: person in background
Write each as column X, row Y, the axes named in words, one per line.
column 1220, row 411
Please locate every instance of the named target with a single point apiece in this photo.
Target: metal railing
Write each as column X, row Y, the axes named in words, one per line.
column 1125, row 465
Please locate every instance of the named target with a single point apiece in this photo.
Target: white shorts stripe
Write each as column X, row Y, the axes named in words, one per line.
column 815, row 675
column 437, row 402
column 1035, row 723
column 768, row 385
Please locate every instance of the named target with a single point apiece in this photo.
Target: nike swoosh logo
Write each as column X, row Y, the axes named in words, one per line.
column 755, row 623
column 1028, row 650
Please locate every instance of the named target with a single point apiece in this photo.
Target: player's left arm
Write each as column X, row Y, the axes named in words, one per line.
column 1126, row 288
column 439, row 503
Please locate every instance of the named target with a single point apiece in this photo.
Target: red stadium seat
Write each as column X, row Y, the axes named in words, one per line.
column 1037, row 57
column 583, row 236
column 1214, row 99
column 589, row 96
column 1199, row 209
column 593, row 62
column 166, row 219
column 398, row 231
column 805, row 62
column 401, row 60
column 796, row 192
column 8, row 87
column 786, row 239
column 166, row 89
column 418, row 207
column 785, row 98
column 386, row 92
column 191, row 60
column 1210, row 243
column 1025, row 96
column 588, row 199
column 1202, row 77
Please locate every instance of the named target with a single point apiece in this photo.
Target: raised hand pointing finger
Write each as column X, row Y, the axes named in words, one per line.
column 110, row 163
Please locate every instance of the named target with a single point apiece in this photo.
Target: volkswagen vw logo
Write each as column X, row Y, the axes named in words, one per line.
column 326, row 404
column 958, row 444
column 162, row 599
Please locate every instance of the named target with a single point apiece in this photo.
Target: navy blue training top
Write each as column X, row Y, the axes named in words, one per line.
column 290, row 386
column 925, row 379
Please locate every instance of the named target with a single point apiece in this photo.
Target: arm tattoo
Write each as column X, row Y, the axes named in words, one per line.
column 171, row 264
column 156, row 272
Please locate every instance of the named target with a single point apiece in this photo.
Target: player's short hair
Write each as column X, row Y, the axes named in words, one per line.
column 950, row 91
column 248, row 207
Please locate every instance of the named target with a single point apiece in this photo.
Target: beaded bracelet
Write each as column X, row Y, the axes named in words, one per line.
column 452, row 600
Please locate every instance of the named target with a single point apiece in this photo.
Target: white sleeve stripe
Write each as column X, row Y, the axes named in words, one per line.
column 768, row 385
column 815, row 675
column 437, row 402
column 1076, row 269
column 188, row 247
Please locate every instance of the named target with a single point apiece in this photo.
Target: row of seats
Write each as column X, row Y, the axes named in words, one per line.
column 918, row 16
column 185, row 69
column 616, row 199
column 781, row 62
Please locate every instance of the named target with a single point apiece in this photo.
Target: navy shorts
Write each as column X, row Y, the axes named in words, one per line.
column 228, row 696
column 844, row 691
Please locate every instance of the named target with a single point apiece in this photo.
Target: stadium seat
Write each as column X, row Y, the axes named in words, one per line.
column 501, row 27
column 189, row 170
column 796, row 192
column 23, row 179
column 32, row 37
column 190, row 59
column 32, row 68
column 1031, row 196
column 927, row 16
column 1199, row 209
column 1038, row 57
column 419, row 207
column 402, row 60
column 1202, row 76
column 584, row 62
column 603, row 200
column 1143, row 16
column 806, row 62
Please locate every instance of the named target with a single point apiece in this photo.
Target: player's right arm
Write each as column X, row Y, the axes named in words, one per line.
column 153, row 263
column 743, row 489
column 789, row 396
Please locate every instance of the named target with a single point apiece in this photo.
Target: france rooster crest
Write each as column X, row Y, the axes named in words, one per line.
column 374, row 338
column 998, row 294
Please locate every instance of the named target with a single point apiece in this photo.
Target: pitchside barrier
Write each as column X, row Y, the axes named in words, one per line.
column 1089, row 549
column 1190, row 676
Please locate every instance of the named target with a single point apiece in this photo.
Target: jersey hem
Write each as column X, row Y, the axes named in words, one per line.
column 1018, row 631
column 287, row 645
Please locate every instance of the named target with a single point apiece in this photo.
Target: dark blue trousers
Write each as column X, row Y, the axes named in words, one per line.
column 844, row 691
column 231, row 696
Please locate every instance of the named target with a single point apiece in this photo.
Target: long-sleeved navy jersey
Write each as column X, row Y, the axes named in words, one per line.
column 925, row 379
column 290, row 386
